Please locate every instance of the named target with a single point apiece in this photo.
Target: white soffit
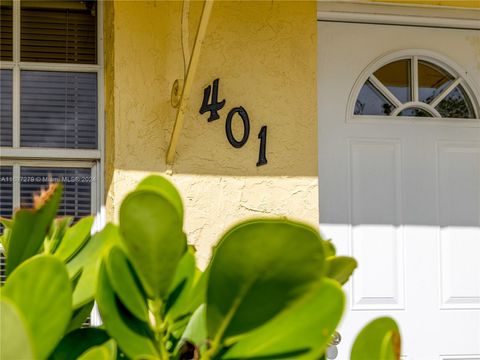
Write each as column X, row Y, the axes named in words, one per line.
column 398, row 14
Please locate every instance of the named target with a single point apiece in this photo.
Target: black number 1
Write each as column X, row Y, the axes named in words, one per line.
column 262, row 157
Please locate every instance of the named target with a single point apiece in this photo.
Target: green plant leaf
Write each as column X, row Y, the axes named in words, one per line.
column 132, row 342
column 329, row 248
column 259, row 268
column 164, row 187
column 152, row 232
column 15, row 342
column 30, row 227
column 196, row 330
column 125, row 284
column 180, row 290
column 106, row 351
column 41, row 291
column 55, row 234
column 340, row 268
column 86, row 262
column 301, row 332
column 77, row 342
column 379, row 339
column 74, row 238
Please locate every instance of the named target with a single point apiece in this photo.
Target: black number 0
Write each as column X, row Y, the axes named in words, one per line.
column 246, row 127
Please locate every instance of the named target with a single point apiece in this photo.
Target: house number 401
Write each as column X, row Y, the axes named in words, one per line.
column 211, row 104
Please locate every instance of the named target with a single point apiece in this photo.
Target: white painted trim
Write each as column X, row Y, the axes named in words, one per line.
column 48, row 163
column 414, row 77
column 398, row 14
column 416, row 104
column 441, row 61
column 50, row 153
column 59, row 67
column 445, row 92
column 384, row 90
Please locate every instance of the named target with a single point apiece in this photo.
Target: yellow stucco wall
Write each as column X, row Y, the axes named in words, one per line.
column 265, row 56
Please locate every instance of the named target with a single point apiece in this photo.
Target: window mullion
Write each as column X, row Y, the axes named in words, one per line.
column 16, row 186
column 16, row 76
column 414, row 78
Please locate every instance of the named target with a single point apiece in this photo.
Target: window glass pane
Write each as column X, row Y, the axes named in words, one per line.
column 371, row 102
column 58, row 109
column 456, row 105
column 396, row 78
column 5, row 107
column 77, row 188
column 64, row 32
column 415, row 112
column 431, row 81
column 6, row 31
column 6, row 192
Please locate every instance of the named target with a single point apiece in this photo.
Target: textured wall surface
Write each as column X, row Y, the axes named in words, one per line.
column 265, row 56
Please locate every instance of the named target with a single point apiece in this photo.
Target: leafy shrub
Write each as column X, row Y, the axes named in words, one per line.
column 272, row 289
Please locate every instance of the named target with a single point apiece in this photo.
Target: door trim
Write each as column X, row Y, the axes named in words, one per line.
column 395, row 14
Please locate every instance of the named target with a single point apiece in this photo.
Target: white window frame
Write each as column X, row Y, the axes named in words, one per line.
column 460, row 75
column 56, row 157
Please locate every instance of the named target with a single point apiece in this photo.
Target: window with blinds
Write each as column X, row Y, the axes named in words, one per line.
column 6, row 206
column 6, row 31
column 49, row 104
column 6, row 107
column 58, row 109
column 77, row 188
column 58, row 32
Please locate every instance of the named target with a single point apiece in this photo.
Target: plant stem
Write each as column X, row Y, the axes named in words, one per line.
column 159, row 327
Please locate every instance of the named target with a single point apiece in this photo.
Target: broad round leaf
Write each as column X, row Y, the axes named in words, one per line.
column 379, row 339
column 301, row 332
column 78, row 341
column 42, row 292
column 75, row 237
column 260, row 268
column 164, row 187
column 125, row 284
column 152, row 232
column 133, row 342
column 15, row 343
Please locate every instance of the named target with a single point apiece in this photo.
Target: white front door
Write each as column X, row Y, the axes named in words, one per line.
column 402, row 193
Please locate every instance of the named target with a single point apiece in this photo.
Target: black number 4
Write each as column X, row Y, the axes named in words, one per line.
column 214, row 105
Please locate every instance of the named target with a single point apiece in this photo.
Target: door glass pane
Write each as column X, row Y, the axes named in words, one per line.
column 5, row 107
column 456, row 105
column 58, row 109
column 431, row 81
column 59, row 31
column 77, row 188
column 371, row 102
column 6, row 31
column 415, row 112
column 396, row 78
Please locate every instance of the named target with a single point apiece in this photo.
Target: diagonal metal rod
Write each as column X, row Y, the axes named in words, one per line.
column 192, row 68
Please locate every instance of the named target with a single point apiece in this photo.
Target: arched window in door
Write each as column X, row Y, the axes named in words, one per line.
column 415, row 86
